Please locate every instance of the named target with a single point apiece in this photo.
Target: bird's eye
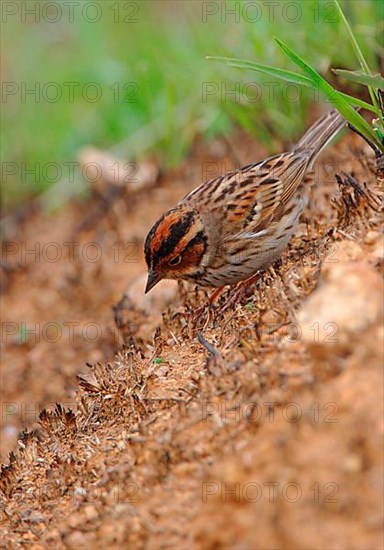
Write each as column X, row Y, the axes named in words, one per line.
column 175, row 261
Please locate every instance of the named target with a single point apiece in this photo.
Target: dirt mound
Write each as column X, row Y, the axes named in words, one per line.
column 257, row 426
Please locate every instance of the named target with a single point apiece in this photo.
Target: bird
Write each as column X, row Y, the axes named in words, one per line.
column 232, row 226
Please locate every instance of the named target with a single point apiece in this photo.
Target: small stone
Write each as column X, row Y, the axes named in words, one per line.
column 342, row 251
column 270, row 318
column 372, row 236
column 352, row 464
column 90, row 513
column 162, row 371
column 347, row 302
column 105, row 169
column 377, row 253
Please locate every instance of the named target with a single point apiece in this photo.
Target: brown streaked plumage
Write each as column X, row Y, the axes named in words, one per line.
column 231, row 226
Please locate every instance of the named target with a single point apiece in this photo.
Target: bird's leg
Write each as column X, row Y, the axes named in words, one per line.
column 240, row 291
column 216, row 294
column 199, row 311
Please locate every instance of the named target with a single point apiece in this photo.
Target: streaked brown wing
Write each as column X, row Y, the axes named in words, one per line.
column 248, row 200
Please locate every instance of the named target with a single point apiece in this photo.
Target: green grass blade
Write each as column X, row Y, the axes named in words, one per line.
column 290, row 76
column 355, row 45
column 337, row 99
column 283, row 74
column 355, row 102
column 373, row 80
column 359, row 54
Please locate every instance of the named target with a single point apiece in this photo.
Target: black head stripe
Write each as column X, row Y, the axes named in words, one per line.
column 176, row 232
column 147, row 244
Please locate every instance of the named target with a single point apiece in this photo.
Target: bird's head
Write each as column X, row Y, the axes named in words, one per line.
column 175, row 246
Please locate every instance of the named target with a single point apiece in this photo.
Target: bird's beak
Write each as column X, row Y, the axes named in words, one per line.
column 153, row 279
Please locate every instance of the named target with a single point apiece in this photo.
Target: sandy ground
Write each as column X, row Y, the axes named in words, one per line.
column 257, row 426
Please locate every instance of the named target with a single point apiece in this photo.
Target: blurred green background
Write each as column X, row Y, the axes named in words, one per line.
column 132, row 78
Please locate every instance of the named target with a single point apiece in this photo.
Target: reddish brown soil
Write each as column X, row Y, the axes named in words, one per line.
column 273, row 439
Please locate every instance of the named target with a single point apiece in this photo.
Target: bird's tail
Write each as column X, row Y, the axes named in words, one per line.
column 318, row 135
